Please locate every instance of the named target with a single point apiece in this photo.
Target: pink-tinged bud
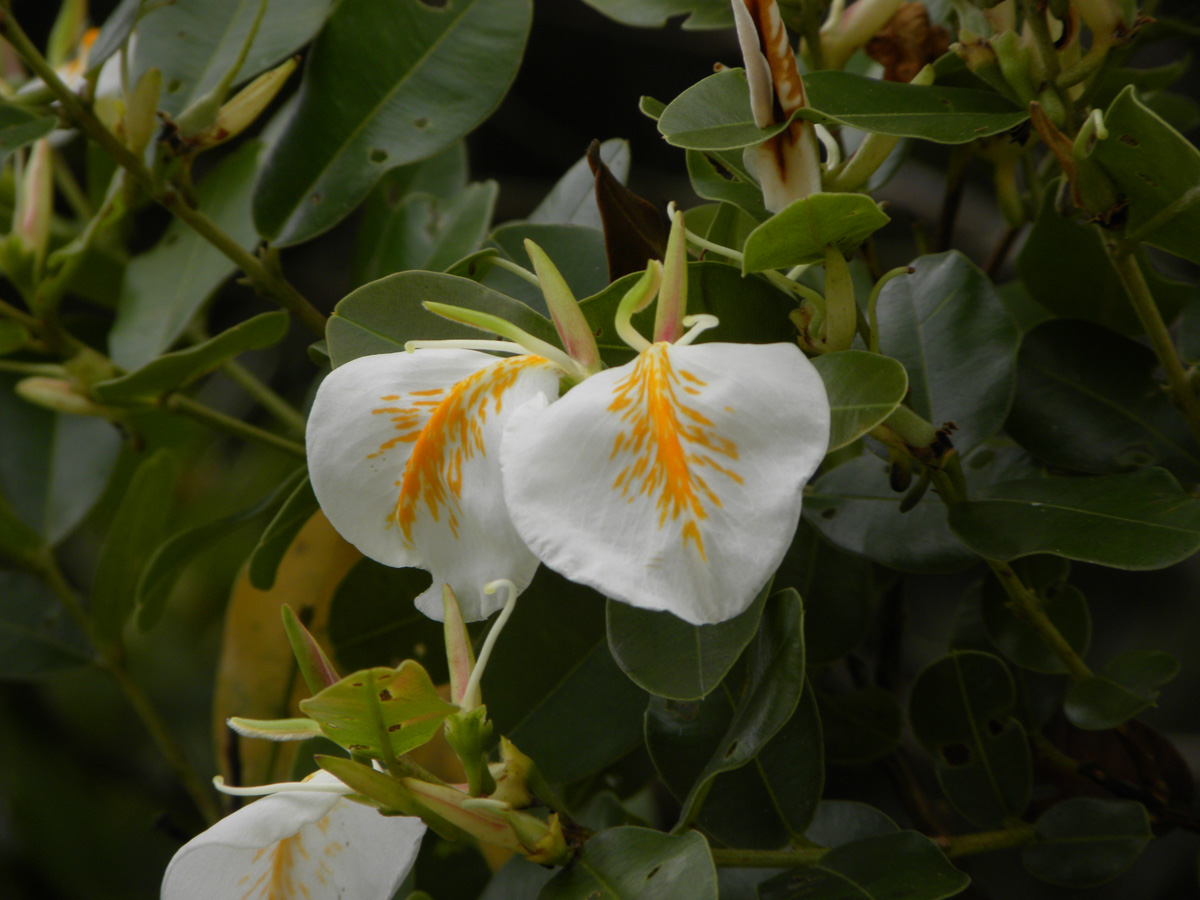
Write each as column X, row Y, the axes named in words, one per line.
column 459, row 653
column 573, row 329
column 35, row 204
column 314, row 665
column 672, row 293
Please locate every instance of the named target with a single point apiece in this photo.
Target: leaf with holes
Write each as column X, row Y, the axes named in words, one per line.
column 1158, row 171
column 799, row 233
column 1128, row 685
column 386, row 84
column 1084, row 841
column 380, row 712
column 670, row 658
column 863, row 390
column 961, row 709
column 195, row 42
column 637, row 864
column 887, row 867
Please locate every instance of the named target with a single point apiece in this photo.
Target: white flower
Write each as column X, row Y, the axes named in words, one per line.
column 308, row 843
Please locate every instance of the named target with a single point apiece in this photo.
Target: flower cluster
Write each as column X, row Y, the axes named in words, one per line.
column 673, row 482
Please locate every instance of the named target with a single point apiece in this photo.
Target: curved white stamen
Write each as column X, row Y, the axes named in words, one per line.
column 264, row 790
column 696, row 325
column 833, row 153
column 486, row 651
column 465, row 344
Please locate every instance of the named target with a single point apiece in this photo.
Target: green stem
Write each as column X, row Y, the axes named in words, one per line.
column 1019, row 835
column 185, row 405
column 728, row 858
column 114, row 664
column 284, row 412
column 1027, row 606
column 1049, row 58
column 273, row 285
column 1130, row 273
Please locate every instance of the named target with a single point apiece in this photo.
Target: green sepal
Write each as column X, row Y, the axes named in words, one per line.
column 469, row 734
column 300, row 729
column 314, row 665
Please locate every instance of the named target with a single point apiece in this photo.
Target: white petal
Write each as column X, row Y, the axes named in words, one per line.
column 674, row 482
column 401, row 452
column 293, row 845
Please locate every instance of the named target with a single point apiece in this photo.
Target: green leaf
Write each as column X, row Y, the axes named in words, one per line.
column 134, row 533
column 1139, row 520
column 1087, row 400
column 19, row 127
column 1066, row 269
column 1157, row 169
column 637, row 864
column 377, row 710
column 717, row 175
column 855, row 508
column 572, row 200
column 863, row 390
column 168, row 562
column 379, row 317
column 1020, row 642
column 279, row 534
column 903, row 865
column 715, row 114
column 173, row 370
column 555, row 691
column 667, row 657
column 961, row 708
column 165, row 287
column 300, row 729
column 655, row 13
column 1083, row 841
column 424, row 231
column 577, row 251
column 372, row 620
column 838, row 822
column 1128, row 685
column 13, row 336
column 37, row 637
column 948, row 327
column 385, row 85
column 195, row 42
column 800, row 232
column 113, row 33
column 860, row 726
column 54, row 466
column 19, row 544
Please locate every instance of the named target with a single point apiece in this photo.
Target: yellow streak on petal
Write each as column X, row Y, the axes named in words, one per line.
column 671, row 441
column 276, row 881
column 445, row 428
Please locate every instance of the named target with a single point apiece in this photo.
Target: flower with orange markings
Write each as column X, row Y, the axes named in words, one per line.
column 673, row 482
column 308, row 842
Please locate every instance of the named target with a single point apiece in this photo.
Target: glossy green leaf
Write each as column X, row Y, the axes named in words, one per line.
column 381, row 316
column 264, row 560
column 555, row 691
column 114, row 32
column 800, row 232
column 54, row 466
column 165, row 287
column 637, row 864
column 838, row 594
column 900, row 866
column 577, row 251
column 425, row 232
column 838, row 822
column 385, row 85
column 717, row 175
column 1087, row 400
column 168, row 562
column 859, row 726
column 195, row 42
column 1158, row 170
column 134, row 534
column 1084, row 841
column 655, row 13
column 1139, row 520
column 946, row 324
column 1020, row 642
column 1128, row 685
column 372, row 620
column 572, row 200
column 173, row 370
column 715, row 114
column 961, row 708
column 377, row 710
column 863, row 390
column 37, row 637
column 19, row 127
column 1066, row 269
column 855, row 508
column 670, row 658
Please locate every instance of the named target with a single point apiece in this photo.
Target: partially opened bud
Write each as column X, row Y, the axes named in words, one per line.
column 35, row 205
column 239, row 113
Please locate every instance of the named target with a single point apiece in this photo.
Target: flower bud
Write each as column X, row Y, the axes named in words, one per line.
column 59, row 395
column 239, row 113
